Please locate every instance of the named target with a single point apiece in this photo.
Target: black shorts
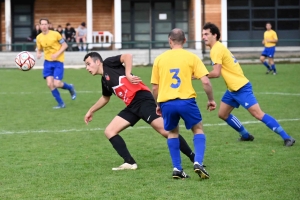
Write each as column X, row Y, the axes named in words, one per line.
column 142, row 106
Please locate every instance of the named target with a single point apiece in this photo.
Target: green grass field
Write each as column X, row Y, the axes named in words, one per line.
column 52, row 154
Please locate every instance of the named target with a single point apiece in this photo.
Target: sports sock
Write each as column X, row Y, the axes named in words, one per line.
column 185, row 148
column 67, row 86
column 173, row 144
column 57, row 97
column 273, row 68
column 267, row 65
column 272, row 124
column 199, row 144
column 237, row 125
column 120, row 146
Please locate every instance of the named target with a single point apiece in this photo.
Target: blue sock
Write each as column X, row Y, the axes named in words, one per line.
column 57, row 97
column 199, row 145
column 272, row 124
column 237, row 125
column 267, row 65
column 173, row 144
column 273, row 68
column 67, row 86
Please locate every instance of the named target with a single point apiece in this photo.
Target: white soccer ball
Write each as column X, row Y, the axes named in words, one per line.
column 25, row 61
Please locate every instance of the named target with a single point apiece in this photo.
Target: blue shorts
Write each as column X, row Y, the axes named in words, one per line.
column 244, row 96
column 53, row 68
column 186, row 109
column 268, row 52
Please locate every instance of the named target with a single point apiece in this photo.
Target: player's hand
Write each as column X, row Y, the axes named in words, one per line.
column 133, row 79
column 38, row 55
column 54, row 56
column 211, row 105
column 88, row 117
column 158, row 111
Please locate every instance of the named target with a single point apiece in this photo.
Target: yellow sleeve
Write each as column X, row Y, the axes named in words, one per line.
column 216, row 56
column 199, row 69
column 275, row 36
column 155, row 75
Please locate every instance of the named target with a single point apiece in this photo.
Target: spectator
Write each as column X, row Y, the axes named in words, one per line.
column 60, row 30
column 81, row 37
column 34, row 33
column 70, row 35
column 51, row 26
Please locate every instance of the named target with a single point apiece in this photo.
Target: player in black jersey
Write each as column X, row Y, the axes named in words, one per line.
column 118, row 80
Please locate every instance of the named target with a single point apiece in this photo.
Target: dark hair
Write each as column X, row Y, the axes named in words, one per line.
column 68, row 24
column 177, row 36
column 45, row 20
column 94, row 55
column 269, row 23
column 83, row 24
column 213, row 29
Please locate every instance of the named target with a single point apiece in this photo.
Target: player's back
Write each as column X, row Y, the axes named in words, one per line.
column 173, row 70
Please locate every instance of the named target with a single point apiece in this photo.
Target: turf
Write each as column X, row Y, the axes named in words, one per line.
column 52, row 154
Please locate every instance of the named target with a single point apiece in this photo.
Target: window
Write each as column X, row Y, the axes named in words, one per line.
column 238, row 14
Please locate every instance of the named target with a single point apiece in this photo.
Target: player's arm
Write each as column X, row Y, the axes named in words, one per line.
column 126, row 59
column 216, row 72
column 38, row 49
column 97, row 106
column 155, row 91
column 211, row 105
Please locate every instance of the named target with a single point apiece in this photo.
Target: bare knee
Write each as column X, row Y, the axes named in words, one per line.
column 262, row 59
column 223, row 116
column 109, row 133
column 57, row 84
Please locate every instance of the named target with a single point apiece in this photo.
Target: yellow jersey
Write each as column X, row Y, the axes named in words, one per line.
column 173, row 71
column 270, row 35
column 231, row 69
column 50, row 44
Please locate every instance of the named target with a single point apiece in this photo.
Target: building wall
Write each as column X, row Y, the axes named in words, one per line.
column 73, row 12
column 213, row 12
column 192, row 20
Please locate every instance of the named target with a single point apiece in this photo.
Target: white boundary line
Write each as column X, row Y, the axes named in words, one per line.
column 3, row 132
column 86, row 92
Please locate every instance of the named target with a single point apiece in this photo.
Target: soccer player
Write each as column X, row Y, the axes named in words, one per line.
column 118, row 80
column 239, row 90
column 175, row 96
column 270, row 40
column 53, row 45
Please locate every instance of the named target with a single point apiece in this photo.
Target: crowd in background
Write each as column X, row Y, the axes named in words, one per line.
column 70, row 34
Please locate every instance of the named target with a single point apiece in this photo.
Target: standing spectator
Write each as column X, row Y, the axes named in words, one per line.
column 70, row 35
column 270, row 40
column 81, row 37
column 35, row 33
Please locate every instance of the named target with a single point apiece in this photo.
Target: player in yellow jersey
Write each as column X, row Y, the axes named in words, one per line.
column 270, row 40
column 175, row 96
column 53, row 46
column 239, row 89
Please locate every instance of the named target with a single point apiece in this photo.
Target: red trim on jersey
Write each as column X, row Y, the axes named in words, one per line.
column 126, row 90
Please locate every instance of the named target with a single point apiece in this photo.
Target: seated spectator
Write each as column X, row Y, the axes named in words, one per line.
column 51, row 26
column 69, row 33
column 81, row 37
column 60, row 30
column 34, row 33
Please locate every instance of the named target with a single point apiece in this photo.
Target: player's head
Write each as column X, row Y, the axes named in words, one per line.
column 44, row 24
column 176, row 37
column 268, row 26
column 93, row 61
column 210, row 34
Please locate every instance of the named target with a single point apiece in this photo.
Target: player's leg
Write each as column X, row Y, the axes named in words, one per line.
column 58, row 77
column 271, row 59
column 171, row 119
column 263, row 60
column 271, row 123
column 119, row 123
column 48, row 72
column 191, row 115
column 228, row 103
column 147, row 112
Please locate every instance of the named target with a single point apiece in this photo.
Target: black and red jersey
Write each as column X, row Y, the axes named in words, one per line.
column 114, row 81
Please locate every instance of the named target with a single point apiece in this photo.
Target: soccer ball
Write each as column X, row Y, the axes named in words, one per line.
column 25, row 61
